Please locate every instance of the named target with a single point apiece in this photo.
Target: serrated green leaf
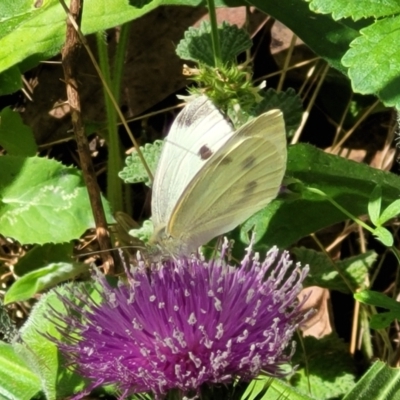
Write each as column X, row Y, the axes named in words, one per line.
column 330, row 369
column 380, row 382
column 10, row 81
column 288, row 102
column 44, row 278
column 374, row 205
column 197, row 45
column 42, row 201
column 143, row 233
column 374, row 61
column 17, row 381
column 41, row 354
column 334, row 276
column 355, row 9
column 383, row 235
column 287, row 219
column 16, row 137
column 327, row 38
column 391, row 211
column 134, row 171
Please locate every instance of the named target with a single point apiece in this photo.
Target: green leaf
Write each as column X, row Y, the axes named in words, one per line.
column 256, row 387
column 289, row 218
column 43, row 255
column 10, row 81
column 41, row 354
column 374, row 61
column 380, row 382
column 288, row 102
column 391, row 211
column 383, row 320
column 267, row 388
column 22, row 23
column 334, row 275
column 377, row 299
column 327, row 38
column 197, row 44
column 134, row 170
column 17, row 381
column 42, row 201
column 16, row 137
column 139, row 3
column 144, row 233
column 331, row 370
column 41, row 279
column 374, row 205
column 355, row 9
column 383, row 235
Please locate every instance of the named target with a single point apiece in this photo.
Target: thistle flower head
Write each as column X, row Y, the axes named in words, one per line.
column 186, row 323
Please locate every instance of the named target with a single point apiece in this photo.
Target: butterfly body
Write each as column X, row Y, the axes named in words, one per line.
column 211, row 178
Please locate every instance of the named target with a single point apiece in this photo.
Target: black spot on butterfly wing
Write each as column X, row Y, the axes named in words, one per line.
column 250, row 187
column 248, row 162
column 205, row 152
column 222, row 160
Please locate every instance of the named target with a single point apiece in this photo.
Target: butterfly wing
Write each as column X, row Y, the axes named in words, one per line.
column 241, row 178
column 197, row 132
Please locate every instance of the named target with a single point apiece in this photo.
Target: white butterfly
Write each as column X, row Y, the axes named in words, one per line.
column 211, row 178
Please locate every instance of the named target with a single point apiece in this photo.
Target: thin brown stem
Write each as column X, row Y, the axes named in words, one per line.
column 70, row 62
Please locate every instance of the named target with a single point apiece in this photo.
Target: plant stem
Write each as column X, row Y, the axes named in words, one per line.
column 114, row 164
column 339, row 207
column 214, row 33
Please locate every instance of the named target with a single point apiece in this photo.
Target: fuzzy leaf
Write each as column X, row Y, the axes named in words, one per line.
column 42, row 355
column 374, row 62
column 330, row 369
column 324, row 274
column 380, row 382
column 41, row 279
column 288, row 102
column 143, row 233
column 197, row 44
column 17, row 381
column 42, row 201
column 134, row 170
column 16, row 137
column 355, row 9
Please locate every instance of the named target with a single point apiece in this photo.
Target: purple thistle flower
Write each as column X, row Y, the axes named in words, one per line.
column 184, row 323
